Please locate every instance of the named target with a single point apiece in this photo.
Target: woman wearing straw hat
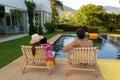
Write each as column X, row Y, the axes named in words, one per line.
column 37, row 40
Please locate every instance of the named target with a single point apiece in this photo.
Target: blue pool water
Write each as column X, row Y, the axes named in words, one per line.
column 107, row 50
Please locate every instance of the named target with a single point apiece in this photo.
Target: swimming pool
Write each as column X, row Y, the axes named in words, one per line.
column 107, row 50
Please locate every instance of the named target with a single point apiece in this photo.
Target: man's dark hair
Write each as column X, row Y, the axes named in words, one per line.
column 80, row 33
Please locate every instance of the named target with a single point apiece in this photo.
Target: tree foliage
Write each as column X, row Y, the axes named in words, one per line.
column 95, row 16
column 54, row 5
column 66, row 17
column 30, row 9
column 114, row 22
column 89, row 15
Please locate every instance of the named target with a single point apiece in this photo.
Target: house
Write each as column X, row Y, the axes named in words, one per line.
column 42, row 13
column 12, row 17
column 14, row 20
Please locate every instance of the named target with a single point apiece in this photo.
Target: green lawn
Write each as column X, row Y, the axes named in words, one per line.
column 11, row 50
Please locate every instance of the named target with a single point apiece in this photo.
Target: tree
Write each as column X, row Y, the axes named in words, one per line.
column 89, row 15
column 114, row 22
column 66, row 17
column 54, row 5
column 30, row 9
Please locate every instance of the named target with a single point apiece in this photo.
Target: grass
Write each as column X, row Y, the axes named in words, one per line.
column 11, row 50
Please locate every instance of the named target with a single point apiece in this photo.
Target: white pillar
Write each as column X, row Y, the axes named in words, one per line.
column 42, row 22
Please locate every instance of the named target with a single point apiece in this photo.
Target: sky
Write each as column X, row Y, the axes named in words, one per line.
column 76, row 4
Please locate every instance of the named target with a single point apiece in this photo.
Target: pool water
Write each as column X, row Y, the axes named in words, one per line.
column 107, row 50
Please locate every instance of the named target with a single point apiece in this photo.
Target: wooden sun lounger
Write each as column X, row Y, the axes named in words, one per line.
column 82, row 56
column 37, row 61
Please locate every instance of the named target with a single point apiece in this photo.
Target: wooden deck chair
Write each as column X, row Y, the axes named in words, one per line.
column 82, row 56
column 34, row 61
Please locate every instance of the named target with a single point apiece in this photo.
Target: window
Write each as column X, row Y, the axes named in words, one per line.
column 2, row 11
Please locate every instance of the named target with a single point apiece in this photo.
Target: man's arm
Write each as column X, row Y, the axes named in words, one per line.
column 69, row 46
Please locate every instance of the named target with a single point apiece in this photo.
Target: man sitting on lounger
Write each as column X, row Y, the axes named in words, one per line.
column 80, row 42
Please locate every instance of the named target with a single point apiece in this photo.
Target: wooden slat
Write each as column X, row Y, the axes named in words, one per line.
column 86, row 69
column 36, row 66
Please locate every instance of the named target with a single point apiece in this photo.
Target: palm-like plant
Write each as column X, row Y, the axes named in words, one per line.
column 55, row 4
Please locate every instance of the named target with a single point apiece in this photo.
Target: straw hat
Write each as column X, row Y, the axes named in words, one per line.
column 35, row 38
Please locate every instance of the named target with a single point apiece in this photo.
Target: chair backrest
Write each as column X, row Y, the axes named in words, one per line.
column 39, row 56
column 85, row 55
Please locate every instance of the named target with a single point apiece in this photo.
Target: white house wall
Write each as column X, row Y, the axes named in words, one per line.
column 43, row 5
column 14, row 3
column 46, row 5
column 45, row 8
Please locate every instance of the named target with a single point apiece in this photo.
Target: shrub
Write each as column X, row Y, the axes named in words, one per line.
column 50, row 27
column 93, row 30
column 66, row 27
column 39, row 30
column 32, row 30
column 35, row 30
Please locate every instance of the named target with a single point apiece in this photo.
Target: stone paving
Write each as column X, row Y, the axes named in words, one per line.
column 13, row 71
